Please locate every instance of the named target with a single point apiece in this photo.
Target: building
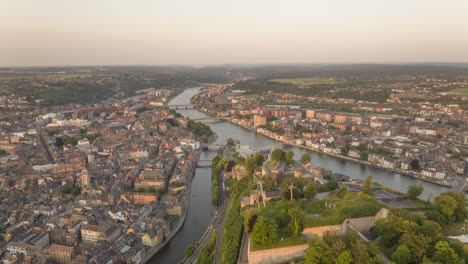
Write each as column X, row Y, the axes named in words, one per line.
column 142, row 198
column 90, row 233
column 324, row 116
column 260, row 120
column 341, row 119
column 61, row 254
column 84, row 178
column 153, row 237
column 310, row 113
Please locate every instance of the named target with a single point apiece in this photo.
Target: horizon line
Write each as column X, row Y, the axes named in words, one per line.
column 244, row 64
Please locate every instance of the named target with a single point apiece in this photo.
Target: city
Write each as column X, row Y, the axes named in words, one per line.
column 233, row 132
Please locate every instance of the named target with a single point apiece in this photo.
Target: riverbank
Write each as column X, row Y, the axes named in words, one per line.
column 153, row 251
column 404, row 172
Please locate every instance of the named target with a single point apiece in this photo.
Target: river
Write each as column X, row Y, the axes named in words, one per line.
column 200, row 203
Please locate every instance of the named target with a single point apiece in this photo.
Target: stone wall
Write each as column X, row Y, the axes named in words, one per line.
column 362, row 224
column 285, row 254
column 276, row 255
column 320, row 230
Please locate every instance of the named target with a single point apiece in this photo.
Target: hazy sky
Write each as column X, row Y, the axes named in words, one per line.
column 98, row 32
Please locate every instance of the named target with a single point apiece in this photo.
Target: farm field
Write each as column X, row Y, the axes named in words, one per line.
column 459, row 91
column 299, row 81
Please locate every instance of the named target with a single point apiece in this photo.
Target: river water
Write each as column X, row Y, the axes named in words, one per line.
column 200, row 202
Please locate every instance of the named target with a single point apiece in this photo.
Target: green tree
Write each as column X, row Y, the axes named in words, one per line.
column 290, row 157
column 414, row 190
column 344, row 258
column 240, row 160
column 342, row 192
column 436, row 216
column 460, row 211
column 265, row 231
column 151, row 190
column 250, row 222
column 141, row 190
column 160, row 191
column 364, row 155
column 310, row 190
column 278, row 155
column 416, row 243
column 305, row 158
column 251, row 165
column 459, row 248
column 360, row 252
column 230, row 142
column 189, row 250
column 402, row 255
column 446, row 204
column 297, row 216
column 445, row 254
column 215, row 160
column 388, row 230
column 222, row 164
column 269, row 184
column 297, row 183
column 344, row 150
column 368, row 185
column 317, row 252
column 259, row 159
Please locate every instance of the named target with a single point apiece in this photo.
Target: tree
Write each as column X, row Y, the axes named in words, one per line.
column 305, row 158
column 417, row 244
column 151, row 190
column 251, row 165
column 344, row 150
column 297, row 187
column 364, row 155
column 360, row 252
column 278, row 155
column 141, row 190
column 316, row 253
column 402, row 255
column 222, row 164
column 414, row 190
column 259, row 159
column 415, row 164
column 388, row 230
column 368, row 185
column 310, row 190
column 189, row 250
column 297, row 216
column 215, row 160
column 251, row 222
column 436, row 216
column 160, row 191
column 459, row 213
column 344, row 258
column 290, row 157
column 445, row 254
column 269, row 184
column 446, row 204
column 240, row 160
column 58, row 142
column 265, row 231
column 342, row 192
column 459, row 248
column 230, row 142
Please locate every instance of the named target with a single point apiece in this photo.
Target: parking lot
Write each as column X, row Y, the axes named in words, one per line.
column 387, row 197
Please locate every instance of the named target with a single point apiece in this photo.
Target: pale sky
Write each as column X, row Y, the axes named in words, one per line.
column 108, row 32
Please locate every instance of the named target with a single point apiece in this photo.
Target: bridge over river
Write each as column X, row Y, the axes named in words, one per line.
column 199, row 212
